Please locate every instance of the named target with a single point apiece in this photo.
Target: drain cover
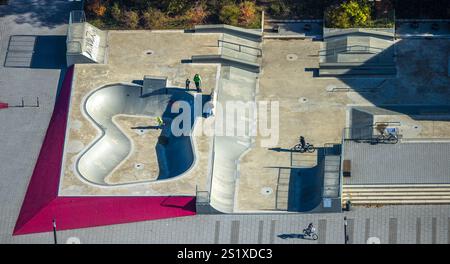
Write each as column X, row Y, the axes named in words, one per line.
column 149, row 52
column 266, row 191
column 291, row 57
column 140, row 131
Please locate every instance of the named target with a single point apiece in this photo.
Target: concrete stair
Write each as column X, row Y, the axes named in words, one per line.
column 332, row 164
column 227, row 60
column 282, row 194
column 243, row 33
column 397, row 194
column 356, row 69
column 235, row 52
column 239, row 48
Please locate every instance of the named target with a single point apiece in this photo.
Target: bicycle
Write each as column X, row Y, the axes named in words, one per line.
column 310, row 233
column 390, row 137
column 308, row 148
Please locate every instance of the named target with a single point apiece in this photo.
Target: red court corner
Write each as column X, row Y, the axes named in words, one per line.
column 42, row 203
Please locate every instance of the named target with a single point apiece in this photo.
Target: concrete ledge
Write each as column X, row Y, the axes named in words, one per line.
column 338, row 65
column 237, row 31
column 387, row 33
column 227, row 61
column 398, row 202
column 153, row 83
column 275, row 36
column 374, row 186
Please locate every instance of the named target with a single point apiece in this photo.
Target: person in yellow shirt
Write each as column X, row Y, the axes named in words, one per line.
column 160, row 121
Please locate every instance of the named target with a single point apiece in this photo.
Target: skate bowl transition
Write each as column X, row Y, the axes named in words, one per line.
column 175, row 154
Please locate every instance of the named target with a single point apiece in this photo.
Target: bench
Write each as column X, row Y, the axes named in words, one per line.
column 347, row 168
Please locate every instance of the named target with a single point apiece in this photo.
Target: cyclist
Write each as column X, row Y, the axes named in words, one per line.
column 310, row 229
column 302, row 142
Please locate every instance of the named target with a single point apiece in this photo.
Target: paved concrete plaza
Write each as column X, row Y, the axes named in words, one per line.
column 310, row 107
column 391, row 225
column 22, row 130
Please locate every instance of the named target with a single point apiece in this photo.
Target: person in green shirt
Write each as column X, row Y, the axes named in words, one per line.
column 198, row 82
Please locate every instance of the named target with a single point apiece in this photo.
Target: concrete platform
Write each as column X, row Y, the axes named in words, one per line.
column 402, row 163
column 311, row 107
column 128, row 61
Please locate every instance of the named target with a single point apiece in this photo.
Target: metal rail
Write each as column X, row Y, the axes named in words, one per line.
column 240, row 46
column 359, row 48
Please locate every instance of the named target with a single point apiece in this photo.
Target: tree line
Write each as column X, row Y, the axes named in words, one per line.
column 166, row 14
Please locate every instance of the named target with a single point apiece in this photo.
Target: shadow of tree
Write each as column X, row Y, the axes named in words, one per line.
column 40, row 13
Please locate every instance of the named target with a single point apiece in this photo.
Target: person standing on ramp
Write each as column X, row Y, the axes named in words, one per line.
column 198, row 82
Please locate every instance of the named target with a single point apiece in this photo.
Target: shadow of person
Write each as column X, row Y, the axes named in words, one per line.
column 281, row 150
column 147, row 127
column 286, row 236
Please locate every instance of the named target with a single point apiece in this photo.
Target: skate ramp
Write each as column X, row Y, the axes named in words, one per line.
column 112, row 146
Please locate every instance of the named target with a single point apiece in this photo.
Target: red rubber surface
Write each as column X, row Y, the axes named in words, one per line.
column 42, row 203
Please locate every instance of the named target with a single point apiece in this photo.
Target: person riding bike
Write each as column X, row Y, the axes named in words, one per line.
column 310, row 232
column 303, row 146
column 310, row 229
column 302, row 142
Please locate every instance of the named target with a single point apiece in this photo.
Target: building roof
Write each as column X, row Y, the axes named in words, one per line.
column 401, row 163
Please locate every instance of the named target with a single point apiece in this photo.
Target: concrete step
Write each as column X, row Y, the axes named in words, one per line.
column 254, row 45
column 250, row 34
column 227, row 61
column 366, row 71
column 354, row 57
column 394, row 190
column 240, row 55
column 396, row 187
column 397, row 202
column 397, row 194
column 400, row 186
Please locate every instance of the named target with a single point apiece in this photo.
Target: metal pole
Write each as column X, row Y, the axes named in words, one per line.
column 345, row 230
column 54, row 232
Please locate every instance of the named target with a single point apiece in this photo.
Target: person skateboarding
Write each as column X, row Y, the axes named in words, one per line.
column 160, row 122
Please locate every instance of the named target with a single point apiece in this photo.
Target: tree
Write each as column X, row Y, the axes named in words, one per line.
column 196, row 15
column 353, row 13
column 247, row 13
column 175, row 7
column 116, row 12
column 278, row 8
column 96, row 7
column 130, row 19
column 153, row 18
column 229, row 14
